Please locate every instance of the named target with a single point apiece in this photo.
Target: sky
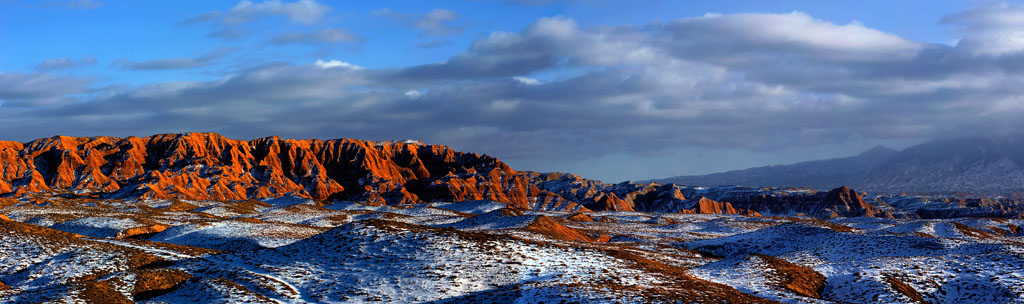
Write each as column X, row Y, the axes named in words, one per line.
column 611, row 90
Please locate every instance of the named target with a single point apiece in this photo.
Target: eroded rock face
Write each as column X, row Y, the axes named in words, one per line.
column 709, row 206
column 844, row 201
column 208, row 166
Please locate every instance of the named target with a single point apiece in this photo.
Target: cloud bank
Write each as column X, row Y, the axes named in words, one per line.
column 557, row 89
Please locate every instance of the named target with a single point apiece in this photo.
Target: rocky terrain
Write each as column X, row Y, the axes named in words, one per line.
column 296, row 250
column 184, row 218
column 961, row 165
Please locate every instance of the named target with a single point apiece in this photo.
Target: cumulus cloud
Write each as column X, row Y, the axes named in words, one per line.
column 436, row 22
column 175, row 63
column 749, row 81
column 65, row 63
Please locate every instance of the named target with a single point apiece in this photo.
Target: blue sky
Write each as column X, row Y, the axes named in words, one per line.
column 142, row 30
column 613, row 90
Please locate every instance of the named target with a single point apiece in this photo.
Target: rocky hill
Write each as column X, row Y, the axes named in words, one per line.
column 207, row 166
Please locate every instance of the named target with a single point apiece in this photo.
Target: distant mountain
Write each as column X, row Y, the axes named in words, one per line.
column 818, row 174
column 974, row 164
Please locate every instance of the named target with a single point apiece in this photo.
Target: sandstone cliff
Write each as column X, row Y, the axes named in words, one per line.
column 208, row 166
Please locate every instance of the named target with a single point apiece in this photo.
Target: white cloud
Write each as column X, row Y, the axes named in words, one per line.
column 991, row 30
column 792, row 32
column 526, row 80
column 36, row 89
column 65, row 63
column 336, row 64
column 436, row 22
column 175, row 63
column 227, row 24
column 303, row 11
column 327, row 35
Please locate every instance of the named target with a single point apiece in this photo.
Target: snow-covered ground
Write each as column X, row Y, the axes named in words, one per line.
column 294, row 250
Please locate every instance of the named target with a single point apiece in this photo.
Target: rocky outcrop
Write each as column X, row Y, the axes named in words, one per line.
column 708, row 206
column 670, row 198
column 611, row 202
column 599, row 196
column 140, row 231
column 845, row 202
column 841, row 201
column 208, row 166
column 545, row 226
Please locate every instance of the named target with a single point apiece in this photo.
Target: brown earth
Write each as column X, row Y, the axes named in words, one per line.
column 152, row 282
column 580, row 217
column 697, row 291
column 904, row 289
column 144, row 230
column 822, row 223
column 102, row 292
column 799, row 279
column 544, row 225
column 972, row 232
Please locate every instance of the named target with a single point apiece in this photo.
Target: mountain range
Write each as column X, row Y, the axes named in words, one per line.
column 211, row 167
column 971, row 165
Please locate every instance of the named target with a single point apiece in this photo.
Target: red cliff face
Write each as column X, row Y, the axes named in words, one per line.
column 614, row 203
column 211, row 167
column 844, row 201
column 709, row 206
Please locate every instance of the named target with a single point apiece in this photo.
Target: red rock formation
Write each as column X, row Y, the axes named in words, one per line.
column 208, row 166
column 611, row 202
column 709, row 206
column 550, row 228
column 580, row 217
column 150, row 229
column 844, row 201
